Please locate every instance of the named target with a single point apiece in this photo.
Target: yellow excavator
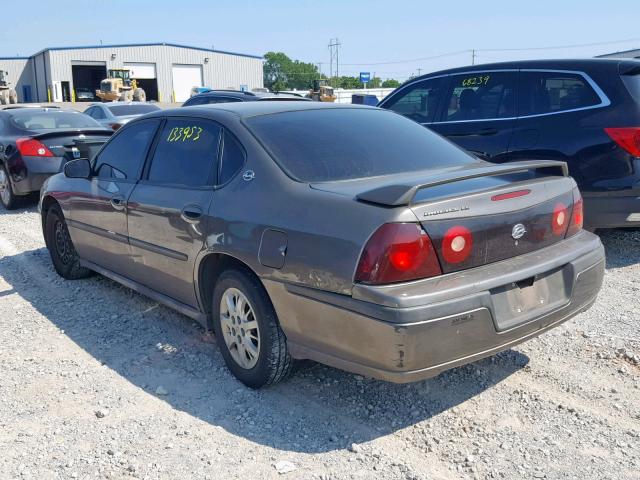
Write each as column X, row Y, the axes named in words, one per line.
column 119, row 86
column 321, row 92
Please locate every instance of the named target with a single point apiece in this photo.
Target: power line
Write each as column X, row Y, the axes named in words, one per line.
column 474, row 52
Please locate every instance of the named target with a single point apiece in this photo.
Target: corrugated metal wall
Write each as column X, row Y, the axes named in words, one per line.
column 221, row 70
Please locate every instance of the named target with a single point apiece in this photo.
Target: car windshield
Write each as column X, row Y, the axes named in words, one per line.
column 341, row 144
column 121, row 110
column 51, row 120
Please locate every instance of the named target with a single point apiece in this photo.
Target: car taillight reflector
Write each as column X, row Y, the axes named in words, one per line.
column 29, row 147
column 577, row 214
column 457, row 244
column 627, row 138
column 397, row 252
column 560, row 219
column 507, row 196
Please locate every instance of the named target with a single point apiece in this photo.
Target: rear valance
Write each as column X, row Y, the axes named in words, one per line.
column 403, row 194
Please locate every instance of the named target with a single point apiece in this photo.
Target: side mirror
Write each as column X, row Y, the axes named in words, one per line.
column 77, row 169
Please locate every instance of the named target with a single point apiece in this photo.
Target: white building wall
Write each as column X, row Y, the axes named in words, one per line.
column 220, row 70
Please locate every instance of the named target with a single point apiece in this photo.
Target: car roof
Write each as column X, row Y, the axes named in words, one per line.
column 556, row 64
column 252, row 109
column 31, row 106
column 12, row 111
column 249, row 96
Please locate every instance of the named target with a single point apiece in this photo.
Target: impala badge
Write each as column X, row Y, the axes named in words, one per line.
column 518, row 231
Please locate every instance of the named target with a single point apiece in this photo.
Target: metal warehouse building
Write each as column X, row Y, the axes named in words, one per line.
column 166, row 71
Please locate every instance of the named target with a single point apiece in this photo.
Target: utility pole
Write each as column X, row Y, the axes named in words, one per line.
column 419, row 71
column 334, row 47
column 473, row 57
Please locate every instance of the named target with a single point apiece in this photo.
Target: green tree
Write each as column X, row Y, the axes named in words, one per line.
column 282, row 73
column 390, row 83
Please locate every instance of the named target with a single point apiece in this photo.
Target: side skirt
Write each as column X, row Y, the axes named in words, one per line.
column 184, row 309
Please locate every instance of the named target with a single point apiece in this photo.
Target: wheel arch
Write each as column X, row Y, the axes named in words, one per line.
column 209, row 269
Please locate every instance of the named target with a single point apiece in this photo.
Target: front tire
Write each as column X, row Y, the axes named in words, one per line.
column 247, row 330
column 7, row 197
column 63, row 254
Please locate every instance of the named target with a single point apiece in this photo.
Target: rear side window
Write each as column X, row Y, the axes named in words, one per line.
column 418, row 101
column 232, row 158
column 97, row 113
column 123, row 156
column 364, row 142
column 550, row 92
column 480, row 96
column 186, row 153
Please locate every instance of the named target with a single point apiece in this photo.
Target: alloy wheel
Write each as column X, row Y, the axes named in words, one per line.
column 240, row 328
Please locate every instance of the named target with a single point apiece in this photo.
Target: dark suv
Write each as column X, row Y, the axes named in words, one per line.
column 584, row 112
column 227, row 96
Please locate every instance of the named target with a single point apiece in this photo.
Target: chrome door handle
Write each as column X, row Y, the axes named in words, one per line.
column 117, row 202
column 191, row 214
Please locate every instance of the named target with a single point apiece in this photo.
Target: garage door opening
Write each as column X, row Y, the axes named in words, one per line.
column 145, row 76
column 185, row 77
column 86, row 80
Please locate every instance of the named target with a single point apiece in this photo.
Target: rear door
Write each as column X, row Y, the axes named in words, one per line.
column 478, row 112
column 166, row 220
column 98, row 213
column 559, row 120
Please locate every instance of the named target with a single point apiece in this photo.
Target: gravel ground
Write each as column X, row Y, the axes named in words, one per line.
column 97, row 381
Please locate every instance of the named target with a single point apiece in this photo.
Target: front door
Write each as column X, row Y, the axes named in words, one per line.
column 167, row 209
column 478, row 113
column 98, row 213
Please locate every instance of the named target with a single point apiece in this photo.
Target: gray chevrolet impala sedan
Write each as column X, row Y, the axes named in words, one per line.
column 344, row 234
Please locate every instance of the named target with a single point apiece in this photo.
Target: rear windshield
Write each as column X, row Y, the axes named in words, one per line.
column 51, row 120
column 341, row 144
column 121, row 110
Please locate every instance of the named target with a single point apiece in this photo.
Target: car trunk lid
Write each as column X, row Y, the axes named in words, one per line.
column 74, row 144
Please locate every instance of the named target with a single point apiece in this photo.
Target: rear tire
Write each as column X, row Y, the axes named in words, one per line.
column 139, row 95
column 7, row 197
column 63, row 254
column 247, row 330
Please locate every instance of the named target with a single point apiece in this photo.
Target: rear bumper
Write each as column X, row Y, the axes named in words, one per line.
column 31, row 173
column 405, row 333
column 611, row 210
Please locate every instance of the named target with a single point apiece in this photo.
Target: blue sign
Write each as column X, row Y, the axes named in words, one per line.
column 365, row 77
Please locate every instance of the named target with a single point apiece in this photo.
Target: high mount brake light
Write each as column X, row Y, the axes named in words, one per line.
column 560, row 219
column 508, row 195
column 397, row 252
column 628, row 138
column 30, row 147
column 457, row 244
column 577, row 214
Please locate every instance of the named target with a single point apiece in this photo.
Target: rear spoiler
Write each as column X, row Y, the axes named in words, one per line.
column 403, row 194
column 73, row 132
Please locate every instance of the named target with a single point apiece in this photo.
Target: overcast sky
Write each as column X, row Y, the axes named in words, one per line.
column 371, row 32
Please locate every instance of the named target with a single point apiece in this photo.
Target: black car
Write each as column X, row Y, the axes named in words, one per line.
column 584, row 112
column 227, row 96
column 35, row 143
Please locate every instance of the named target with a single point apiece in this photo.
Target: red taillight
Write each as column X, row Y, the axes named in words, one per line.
column 29, row 147
column 577, row 214
column 457, row 244
column 560, row 219
column 397, row 252
column 627, row 138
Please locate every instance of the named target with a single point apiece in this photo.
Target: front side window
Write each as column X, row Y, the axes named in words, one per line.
column 122, row 158
column 550, row 92
column 418, row 101
column 186, row 153
column 480, row 96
